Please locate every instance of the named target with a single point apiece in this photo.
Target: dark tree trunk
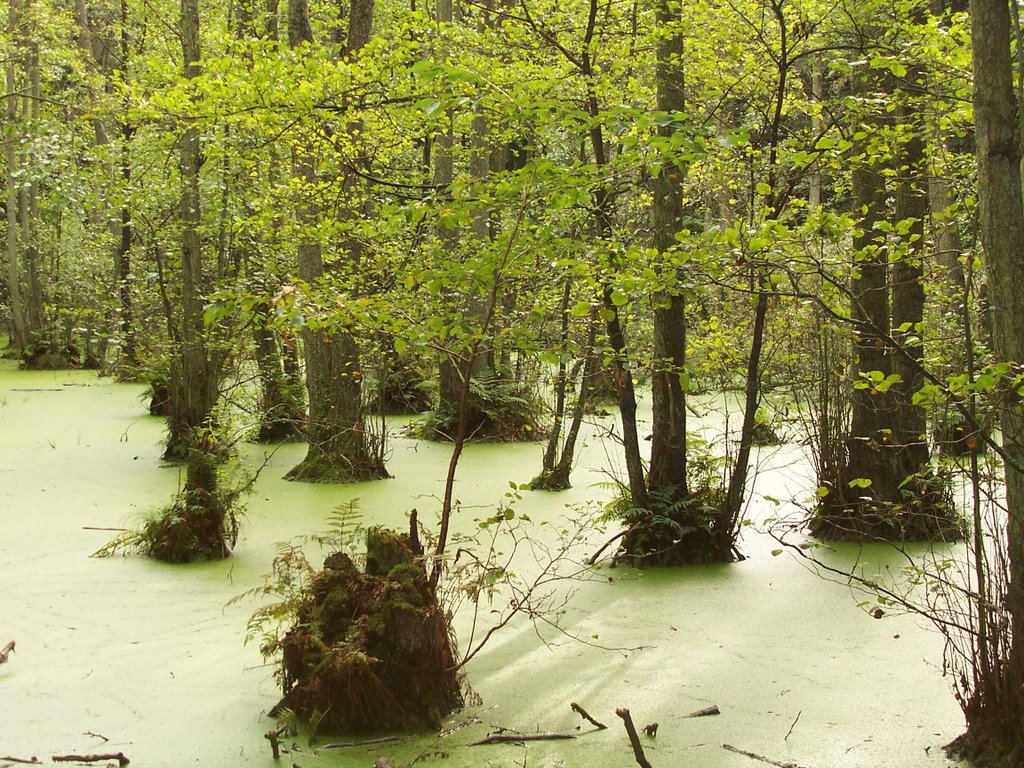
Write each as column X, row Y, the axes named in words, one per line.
column 19, row 329
column 883, row 491
column 199, row 524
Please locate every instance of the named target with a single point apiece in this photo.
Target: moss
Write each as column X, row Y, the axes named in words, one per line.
column 556, row 479
column 318, row 467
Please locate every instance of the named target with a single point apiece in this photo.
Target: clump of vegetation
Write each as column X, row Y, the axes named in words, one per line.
column 680, row 529
column 498, row 410
column 404, row 388
column 200, row 523
column 367, row 649
column 852, row 511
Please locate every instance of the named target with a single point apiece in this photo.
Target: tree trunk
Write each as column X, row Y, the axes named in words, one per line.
column 339, row 449
column 885, row 491
column 995, row 711
column 603, row 199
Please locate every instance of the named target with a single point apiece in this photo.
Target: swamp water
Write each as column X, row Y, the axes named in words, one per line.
column 124, row 654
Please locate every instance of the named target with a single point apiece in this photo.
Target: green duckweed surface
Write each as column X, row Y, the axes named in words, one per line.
column 124, row 654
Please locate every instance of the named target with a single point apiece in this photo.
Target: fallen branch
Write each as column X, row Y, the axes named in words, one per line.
column 99, row 528
column 343, row 744
column 706, row 712
column 121, row 759
column 634, row 739
column 512, row 738
column 762, row 758
column 34, row 761
column 8, row 649
column 793, row 725
column 586, row 716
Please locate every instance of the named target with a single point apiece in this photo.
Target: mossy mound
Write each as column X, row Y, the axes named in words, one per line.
column 371, row 650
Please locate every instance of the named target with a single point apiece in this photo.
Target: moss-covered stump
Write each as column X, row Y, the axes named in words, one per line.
column 371, row 650
column 200, row 523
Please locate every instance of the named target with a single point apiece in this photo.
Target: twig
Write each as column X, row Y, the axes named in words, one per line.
column 98, row 528
column 343, row 744
column 8, row 649
column 274, row 737
column 762, row 758
column 793, row 725
column 707, row 711
column 121, row 759
column 512, row 738
column 586, row 716
column 621, row 534
column 634, row 739
column 96, row 735
column 34, row 761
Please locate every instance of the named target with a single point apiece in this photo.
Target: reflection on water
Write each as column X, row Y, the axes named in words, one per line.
column 128, row 655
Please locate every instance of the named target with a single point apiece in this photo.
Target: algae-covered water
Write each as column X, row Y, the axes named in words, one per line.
column 127, row 655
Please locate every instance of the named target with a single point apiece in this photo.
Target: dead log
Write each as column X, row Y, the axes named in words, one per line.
column 706, row 712
column 634, row 738
column 512, row 738
column 119, row 756
column 33, row 761
column 8, row 649
column 586, row 716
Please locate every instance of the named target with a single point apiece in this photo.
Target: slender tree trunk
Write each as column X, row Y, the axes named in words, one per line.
column 18, row 325
column 667, row 474
column 603, row 200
